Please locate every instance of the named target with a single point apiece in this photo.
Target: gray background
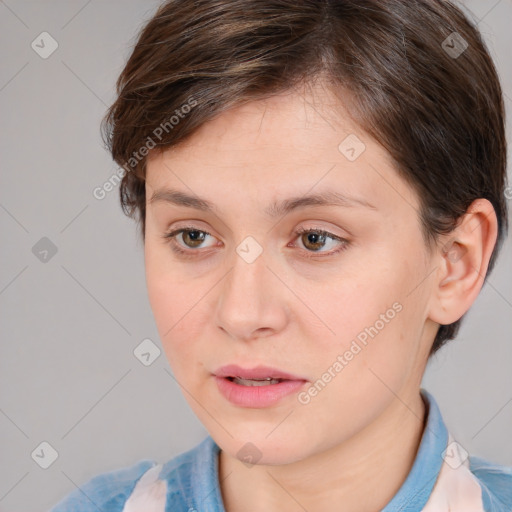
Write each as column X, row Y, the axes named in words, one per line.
column 68, row 375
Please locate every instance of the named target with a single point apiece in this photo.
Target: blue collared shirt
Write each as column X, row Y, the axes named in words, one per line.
column 443, row 478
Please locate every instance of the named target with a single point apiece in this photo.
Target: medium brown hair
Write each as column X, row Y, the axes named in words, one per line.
column 440, row 115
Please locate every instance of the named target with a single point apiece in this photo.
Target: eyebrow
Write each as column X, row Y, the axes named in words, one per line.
column 324, row 198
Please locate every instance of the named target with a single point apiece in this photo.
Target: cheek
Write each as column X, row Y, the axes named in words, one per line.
column 376, row 320
column 360, row 373
column 159, row 289
column 174, row 301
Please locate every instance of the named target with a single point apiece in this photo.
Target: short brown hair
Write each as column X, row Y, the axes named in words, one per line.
column 439, row 112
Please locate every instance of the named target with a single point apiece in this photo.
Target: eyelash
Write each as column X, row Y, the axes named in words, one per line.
column 309, row 254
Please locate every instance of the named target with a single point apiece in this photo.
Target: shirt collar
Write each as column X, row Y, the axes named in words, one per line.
column 417, row 487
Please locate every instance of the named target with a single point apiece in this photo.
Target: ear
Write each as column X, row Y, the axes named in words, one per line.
column 462, row 260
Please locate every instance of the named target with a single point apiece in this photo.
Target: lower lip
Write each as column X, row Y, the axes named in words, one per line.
column 257, row 396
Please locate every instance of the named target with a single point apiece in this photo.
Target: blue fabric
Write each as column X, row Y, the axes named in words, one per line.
column 192, row 478
column 496, row 483
column 415, row 491
column 107, row 492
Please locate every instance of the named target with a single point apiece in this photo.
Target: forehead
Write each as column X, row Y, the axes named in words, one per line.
column 288, row 144
column 303, row 120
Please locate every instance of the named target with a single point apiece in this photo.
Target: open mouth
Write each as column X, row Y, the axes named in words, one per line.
column 255, row 382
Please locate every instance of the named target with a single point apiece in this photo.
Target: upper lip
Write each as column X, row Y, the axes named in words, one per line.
column 259, row 372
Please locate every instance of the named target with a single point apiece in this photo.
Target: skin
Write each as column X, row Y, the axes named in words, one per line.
column 362, row 430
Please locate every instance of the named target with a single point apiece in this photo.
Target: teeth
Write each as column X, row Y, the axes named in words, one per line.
column 256, row 382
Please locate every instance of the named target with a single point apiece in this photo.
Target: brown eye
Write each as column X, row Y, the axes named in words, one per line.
column 193, row 238
column 313, row 240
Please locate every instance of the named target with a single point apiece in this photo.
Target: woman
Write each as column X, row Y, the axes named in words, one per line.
column 320, row 186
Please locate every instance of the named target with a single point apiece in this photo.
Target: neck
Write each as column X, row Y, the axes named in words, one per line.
column 378, row 458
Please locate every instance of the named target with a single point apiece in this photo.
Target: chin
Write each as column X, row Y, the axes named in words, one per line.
column 253, row 450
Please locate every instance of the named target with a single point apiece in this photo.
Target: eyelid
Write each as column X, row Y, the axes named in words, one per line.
column 175, row 232
column 194, row 253
column 343, row 242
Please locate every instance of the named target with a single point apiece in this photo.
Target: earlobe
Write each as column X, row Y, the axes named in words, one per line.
column 463, row 259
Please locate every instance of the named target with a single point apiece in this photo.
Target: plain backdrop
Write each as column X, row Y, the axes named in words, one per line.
column 72, row 289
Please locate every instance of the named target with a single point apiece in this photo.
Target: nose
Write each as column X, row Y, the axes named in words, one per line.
column 251, row 302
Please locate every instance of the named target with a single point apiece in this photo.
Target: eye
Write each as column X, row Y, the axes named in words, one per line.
column 312, row 240
column 190, row 237
column 315, row 239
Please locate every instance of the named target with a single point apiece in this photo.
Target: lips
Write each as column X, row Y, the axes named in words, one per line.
column 259, row 373
column 258, row 387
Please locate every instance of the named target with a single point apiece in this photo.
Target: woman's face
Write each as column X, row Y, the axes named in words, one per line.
column 343, row 313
